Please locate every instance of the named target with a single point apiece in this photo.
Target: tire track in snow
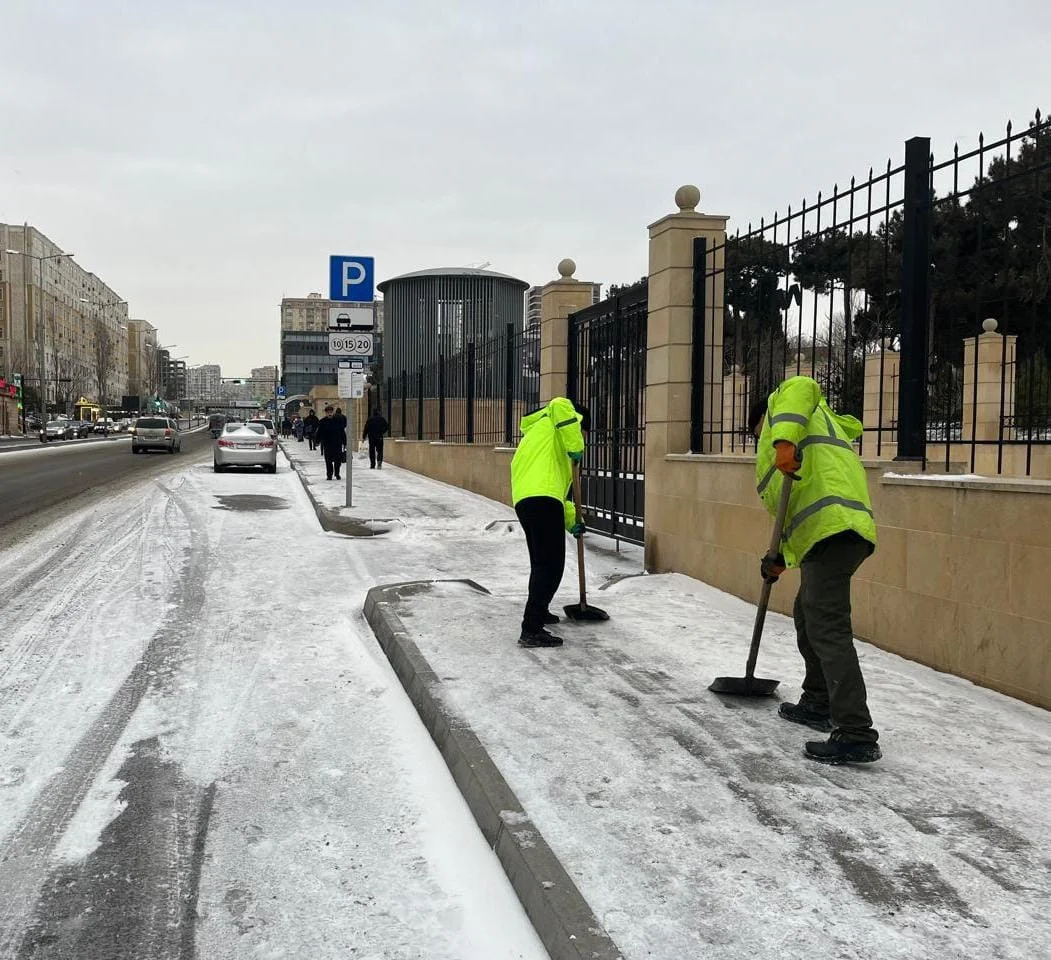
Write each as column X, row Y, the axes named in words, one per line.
column 155, row 841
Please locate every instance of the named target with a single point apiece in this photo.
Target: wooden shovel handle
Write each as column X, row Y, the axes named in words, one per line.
column 580, row 540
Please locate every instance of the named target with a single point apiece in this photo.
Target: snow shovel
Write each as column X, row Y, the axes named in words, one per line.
column 750, row 685
column 581, row 611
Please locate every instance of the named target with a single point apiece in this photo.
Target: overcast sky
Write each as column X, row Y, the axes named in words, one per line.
column 205, row 158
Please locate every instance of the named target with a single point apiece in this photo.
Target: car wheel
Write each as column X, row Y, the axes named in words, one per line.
column 134, row 449
column 216, row 468
column 271, row 469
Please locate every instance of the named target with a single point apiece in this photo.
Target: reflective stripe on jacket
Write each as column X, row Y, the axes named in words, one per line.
column 832, row 495
column 541, row 466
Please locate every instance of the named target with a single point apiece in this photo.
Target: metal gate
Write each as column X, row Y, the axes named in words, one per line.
column 607, row 373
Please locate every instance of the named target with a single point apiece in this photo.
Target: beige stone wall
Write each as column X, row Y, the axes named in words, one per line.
column 482, row 469
column 956, row 583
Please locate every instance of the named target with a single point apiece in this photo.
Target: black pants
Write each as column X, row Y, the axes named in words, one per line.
column 543, row 523
column 311, row 441
column 824, row 634
column 375, row 450
column 333, row 460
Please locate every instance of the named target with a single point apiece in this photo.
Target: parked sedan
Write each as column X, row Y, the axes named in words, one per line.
column 245, row 445
column 58, row 430
column 155, row 433
column 82, row 428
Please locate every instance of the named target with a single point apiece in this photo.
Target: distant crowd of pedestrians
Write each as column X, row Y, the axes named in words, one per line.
column 329, row 435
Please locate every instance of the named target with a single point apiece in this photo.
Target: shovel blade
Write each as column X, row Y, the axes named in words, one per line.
column 744, row 686
column 589, row 613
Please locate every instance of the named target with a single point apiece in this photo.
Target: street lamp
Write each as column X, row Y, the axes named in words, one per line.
column 40, row 333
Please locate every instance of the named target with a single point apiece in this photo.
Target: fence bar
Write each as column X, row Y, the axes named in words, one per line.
column 509, row 384
column 419, row 404
column 915, row 301
column 441, row 396
column 700, row 257
column 390, row 401
column 470, row 391
column 404, row 398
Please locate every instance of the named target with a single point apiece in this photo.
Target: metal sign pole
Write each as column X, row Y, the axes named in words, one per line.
column 351, row 430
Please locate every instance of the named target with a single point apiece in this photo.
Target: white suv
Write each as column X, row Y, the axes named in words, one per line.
column 155, row 433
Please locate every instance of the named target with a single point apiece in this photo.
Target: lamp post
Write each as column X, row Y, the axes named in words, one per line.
column 40, row 333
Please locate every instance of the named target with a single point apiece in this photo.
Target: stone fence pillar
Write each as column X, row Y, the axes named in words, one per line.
column 988, row 384
column 558, row 300
column 670, row 346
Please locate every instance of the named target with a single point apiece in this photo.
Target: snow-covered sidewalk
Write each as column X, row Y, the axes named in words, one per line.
column 692, row 824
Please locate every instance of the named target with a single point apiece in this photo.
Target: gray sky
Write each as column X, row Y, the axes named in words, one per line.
column 205, row 158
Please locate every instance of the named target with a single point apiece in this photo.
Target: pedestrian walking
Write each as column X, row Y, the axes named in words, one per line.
column 342, row 421
column 330, row 437
column 829, row 532
column 286, row 428
column 541, row 491
column 375, row 428
column 310, row 429
column 297, row 429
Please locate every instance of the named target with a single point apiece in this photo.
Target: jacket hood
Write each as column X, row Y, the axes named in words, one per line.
column 532, row 419
column 851, row 426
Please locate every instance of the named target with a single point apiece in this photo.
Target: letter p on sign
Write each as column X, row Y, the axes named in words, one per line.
column 351, row 279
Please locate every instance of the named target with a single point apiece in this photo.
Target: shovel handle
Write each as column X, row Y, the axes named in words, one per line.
column 764, row 596
column 580, row 540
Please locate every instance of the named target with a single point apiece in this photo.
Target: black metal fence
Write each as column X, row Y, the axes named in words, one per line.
column 477, row 395
column 607, row 373
column 873, row 290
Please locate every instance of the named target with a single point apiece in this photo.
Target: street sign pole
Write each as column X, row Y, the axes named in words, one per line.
column 352, row 429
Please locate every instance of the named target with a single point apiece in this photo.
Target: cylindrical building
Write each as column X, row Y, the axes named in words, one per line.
column 432, row 314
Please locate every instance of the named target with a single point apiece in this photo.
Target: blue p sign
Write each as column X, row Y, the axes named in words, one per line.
column 351, row 279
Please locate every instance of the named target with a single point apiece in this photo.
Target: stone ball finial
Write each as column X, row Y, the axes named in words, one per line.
column 687, row 197
column 989, row 325
column 566, row 269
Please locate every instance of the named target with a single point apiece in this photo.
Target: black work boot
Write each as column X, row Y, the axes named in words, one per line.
column 838, row 749
column 550, row 619
column 539, row 638
column 798, row 713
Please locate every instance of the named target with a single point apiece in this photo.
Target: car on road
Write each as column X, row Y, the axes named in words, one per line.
column 155, row 433
column 104, row 426
column 216, row 422
column 57, row 430
column 269, row 424
column 82, row 428
column 245, row 445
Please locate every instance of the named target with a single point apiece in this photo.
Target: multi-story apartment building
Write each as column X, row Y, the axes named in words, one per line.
column 204, row 382
column 61, row 327
column 265, row 377
column 171, row 376
column 143, row 375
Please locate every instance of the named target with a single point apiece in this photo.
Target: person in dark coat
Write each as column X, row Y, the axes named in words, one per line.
column 310, row 429
column 330, row 436
column 342, row 421
column 375, row 427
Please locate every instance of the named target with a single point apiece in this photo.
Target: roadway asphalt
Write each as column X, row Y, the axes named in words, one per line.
column 38, row 481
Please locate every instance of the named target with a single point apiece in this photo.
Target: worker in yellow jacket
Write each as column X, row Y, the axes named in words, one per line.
column 541, row 491
column 829, row 532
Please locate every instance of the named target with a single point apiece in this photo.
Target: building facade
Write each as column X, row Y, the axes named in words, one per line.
column 62, row 327
column 171, row 376
column 143, row 375
column 204, row 382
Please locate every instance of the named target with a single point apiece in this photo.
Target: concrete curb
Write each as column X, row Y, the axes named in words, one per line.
column 333, row 522
column 559, row 913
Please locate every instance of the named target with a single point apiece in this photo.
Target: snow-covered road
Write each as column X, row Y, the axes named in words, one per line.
column 202, row 748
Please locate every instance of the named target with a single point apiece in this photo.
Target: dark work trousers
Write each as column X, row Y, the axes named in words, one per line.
column 375, row 451
column 311, row 441
column 543, row 523
column 833, row 683
column 333, row 460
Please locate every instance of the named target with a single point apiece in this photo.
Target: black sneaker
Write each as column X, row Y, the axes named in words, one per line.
column 541, row 638
column 551, row 619
column 797, row 713
column 837, row 749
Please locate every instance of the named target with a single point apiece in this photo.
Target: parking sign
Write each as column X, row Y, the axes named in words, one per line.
column 351, row 278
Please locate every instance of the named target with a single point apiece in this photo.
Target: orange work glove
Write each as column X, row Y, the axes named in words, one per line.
column 786, row 458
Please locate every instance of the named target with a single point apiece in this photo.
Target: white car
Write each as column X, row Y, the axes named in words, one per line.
column 155, row 433
column 245, row 445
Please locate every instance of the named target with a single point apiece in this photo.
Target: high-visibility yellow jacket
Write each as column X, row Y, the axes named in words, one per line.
column 832, row 495
column 541, row 466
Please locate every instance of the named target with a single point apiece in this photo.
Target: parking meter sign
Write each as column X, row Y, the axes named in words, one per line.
column 349, row 344
column 351, row 279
